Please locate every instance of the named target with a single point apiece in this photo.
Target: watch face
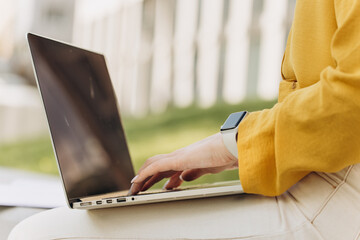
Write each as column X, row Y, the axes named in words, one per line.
column 233, row 120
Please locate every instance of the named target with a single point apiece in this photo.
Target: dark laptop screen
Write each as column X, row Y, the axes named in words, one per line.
column 83, row 117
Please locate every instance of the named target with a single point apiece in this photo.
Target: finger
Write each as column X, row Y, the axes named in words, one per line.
column 174, row 182
column 235, row 165
column 157, row 178
column 136, row 187
column 154, row 179
column 192, row 174
column 151, row 160
column 163, row 165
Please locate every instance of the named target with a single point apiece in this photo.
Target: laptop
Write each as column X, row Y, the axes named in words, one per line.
column 86, row 131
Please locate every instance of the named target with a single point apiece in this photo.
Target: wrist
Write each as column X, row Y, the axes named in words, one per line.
column 221, row 151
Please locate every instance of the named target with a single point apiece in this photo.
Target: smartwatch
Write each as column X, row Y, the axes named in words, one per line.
column 229, row 131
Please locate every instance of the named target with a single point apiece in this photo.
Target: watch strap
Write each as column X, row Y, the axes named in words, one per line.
column 229, row 139
column 229, row 131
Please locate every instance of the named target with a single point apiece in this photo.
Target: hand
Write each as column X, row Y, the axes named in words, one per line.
column 209, row 155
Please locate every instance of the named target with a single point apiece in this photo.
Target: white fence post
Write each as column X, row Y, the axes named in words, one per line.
column 129, row 56
column 237, row 50
column 160, row 91
column 208, row 51
column 112, row 45
column 184, row 51
column 272, row 43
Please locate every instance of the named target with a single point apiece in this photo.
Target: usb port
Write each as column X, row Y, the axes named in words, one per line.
column 83, row 204
column 121, row 199
column 99, row 202
column 109, row 201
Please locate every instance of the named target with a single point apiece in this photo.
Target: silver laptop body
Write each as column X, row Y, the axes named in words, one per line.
column 86, row 131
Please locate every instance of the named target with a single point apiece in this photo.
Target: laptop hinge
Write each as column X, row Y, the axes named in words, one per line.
column 72, row 201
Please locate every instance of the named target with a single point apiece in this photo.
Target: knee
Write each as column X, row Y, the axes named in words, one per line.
column 28, row 228
column 39, row 226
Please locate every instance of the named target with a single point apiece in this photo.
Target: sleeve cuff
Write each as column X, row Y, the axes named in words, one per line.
column 257, row 153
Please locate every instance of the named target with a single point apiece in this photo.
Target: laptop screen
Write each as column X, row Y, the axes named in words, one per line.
column 83, row 117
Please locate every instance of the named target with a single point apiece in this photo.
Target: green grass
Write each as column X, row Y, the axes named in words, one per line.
column 34, row 155
column 146, row 137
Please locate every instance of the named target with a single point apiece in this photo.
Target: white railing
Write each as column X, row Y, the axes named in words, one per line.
column 180, row 52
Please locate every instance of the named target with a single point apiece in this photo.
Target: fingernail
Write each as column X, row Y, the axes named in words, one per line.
column 130, row 190
column 165, row 185
column 181, row 178
column 132, row 180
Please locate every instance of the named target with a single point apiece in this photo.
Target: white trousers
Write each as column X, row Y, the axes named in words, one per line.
column 321, row 206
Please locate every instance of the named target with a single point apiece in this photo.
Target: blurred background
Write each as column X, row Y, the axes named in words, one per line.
column 179, row 67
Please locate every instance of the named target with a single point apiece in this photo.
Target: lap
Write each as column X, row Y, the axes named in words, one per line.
column 212, row 218
column 304, row 212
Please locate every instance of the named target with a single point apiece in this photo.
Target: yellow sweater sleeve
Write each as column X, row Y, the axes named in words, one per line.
column 316, row 128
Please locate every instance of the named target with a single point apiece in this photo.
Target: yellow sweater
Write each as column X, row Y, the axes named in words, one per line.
column 315, row 126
